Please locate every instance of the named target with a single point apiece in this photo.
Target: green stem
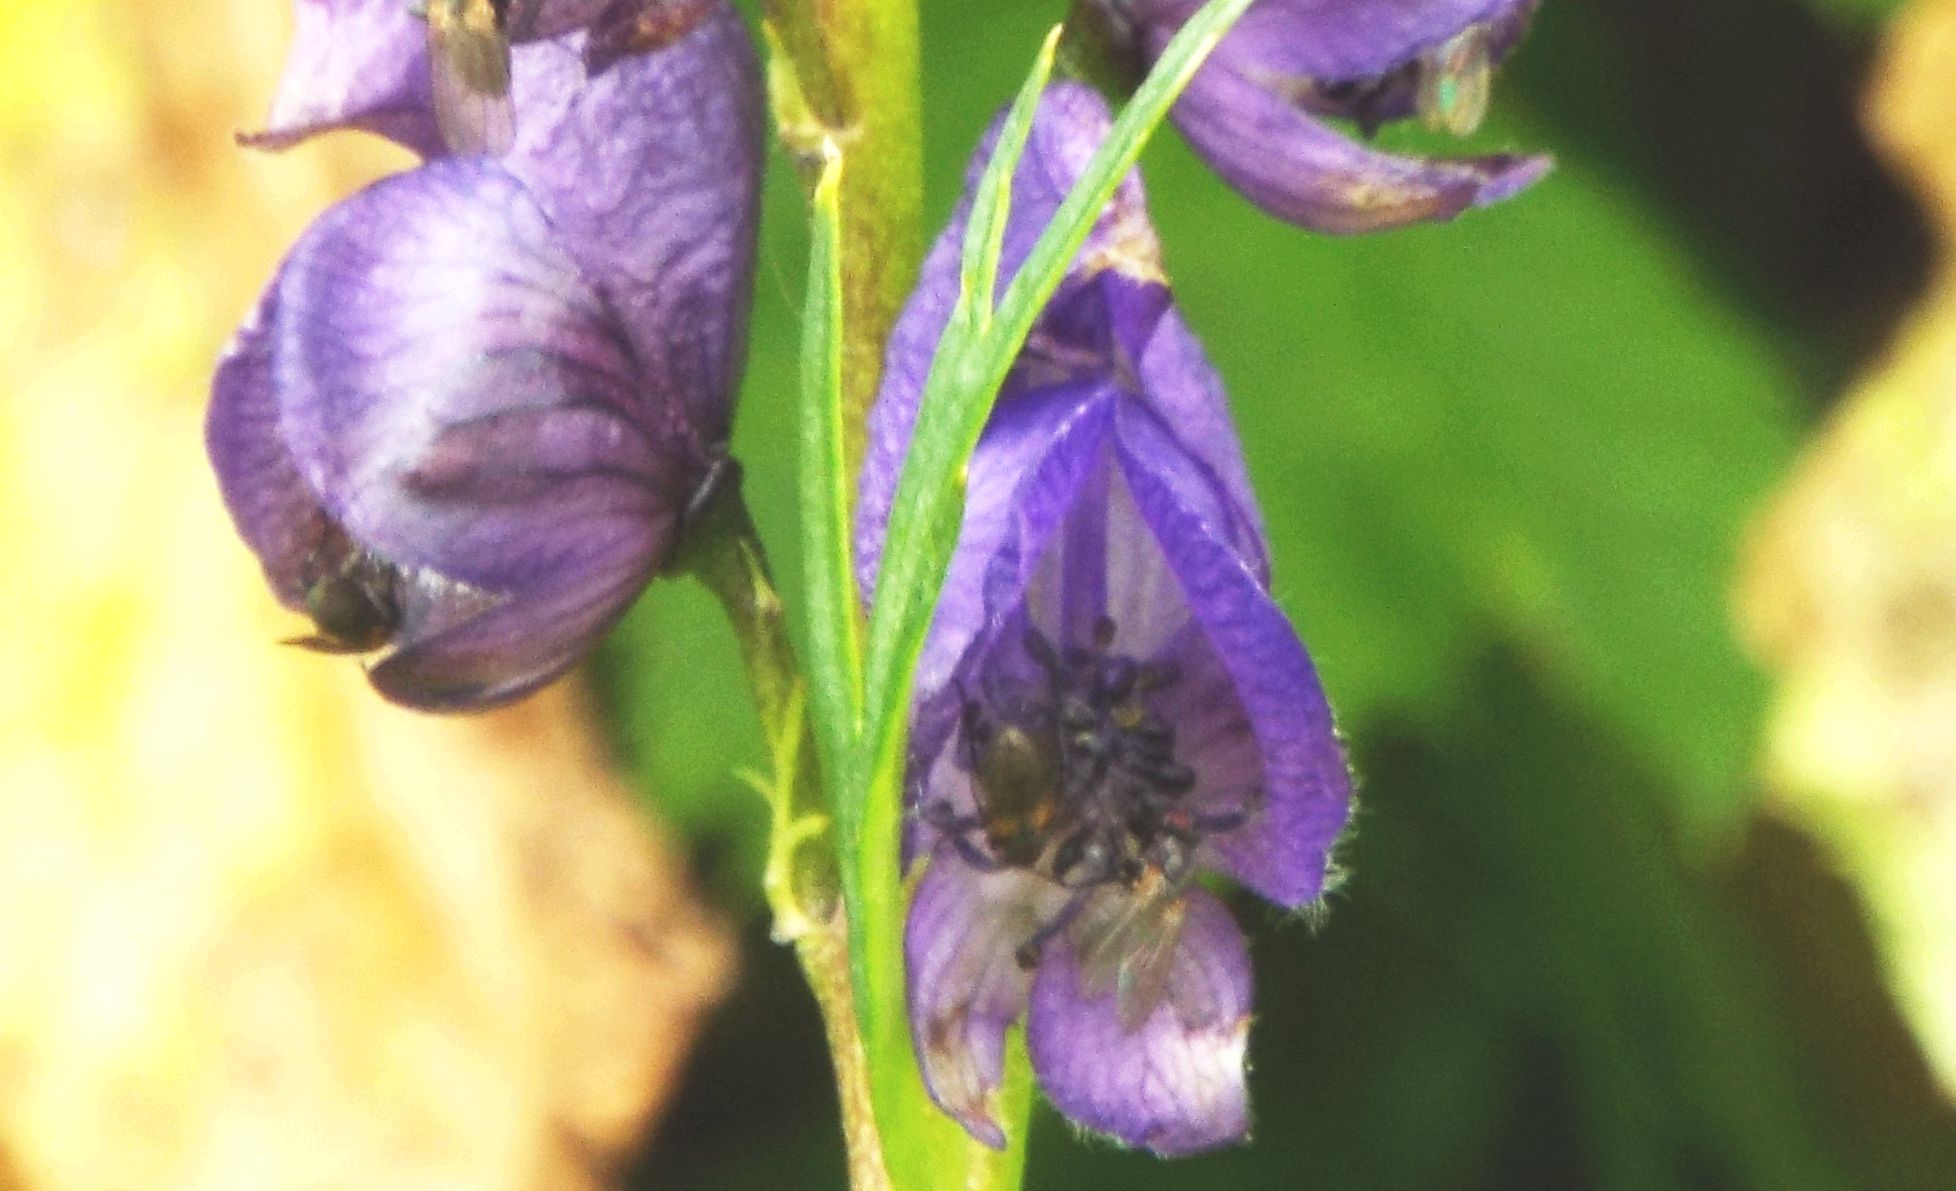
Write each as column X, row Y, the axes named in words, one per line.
column 847, row 71
column 844, row 82
column 721, row 548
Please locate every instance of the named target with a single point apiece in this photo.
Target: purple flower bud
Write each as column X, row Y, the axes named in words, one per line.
column 476, row 399
column 1109, row 703
column 1257, row 111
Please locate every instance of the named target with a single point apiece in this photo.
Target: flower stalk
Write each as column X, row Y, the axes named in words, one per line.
column 847, row 72
column 844, row 83
column 722, row 549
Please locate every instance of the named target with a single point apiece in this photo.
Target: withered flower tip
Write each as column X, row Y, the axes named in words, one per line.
column 1260, row 109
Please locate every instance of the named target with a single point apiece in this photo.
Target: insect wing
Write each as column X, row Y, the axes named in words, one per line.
column 469, row 50
column 1128, row 948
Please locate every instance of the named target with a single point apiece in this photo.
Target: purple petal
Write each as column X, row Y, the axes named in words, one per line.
column 1283, row 851
column 1303, row 171
column 1026, row 475
column 1334, row 40
column 649, row 169
column 1068, row 126
column 965, row 986
column 1150, row 350
column 435, row 305
column 464, row 406
column 1215, row 738
column 354, row 64
column 1024, row 478
column 1174, row 1083
column 276, row 514
column 494, row 655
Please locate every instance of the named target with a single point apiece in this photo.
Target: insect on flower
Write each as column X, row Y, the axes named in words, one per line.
column 1109, row 705
column 352, row 596
column 1456, row 81
column 1017, row 771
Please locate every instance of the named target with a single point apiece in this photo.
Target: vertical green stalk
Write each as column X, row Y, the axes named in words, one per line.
column 723, row 551
column 844, row 79
column 844, row 84
column 846, row 72
column 721, row 548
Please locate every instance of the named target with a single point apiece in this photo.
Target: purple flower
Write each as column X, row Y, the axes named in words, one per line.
column 354, row 64
column 1109, row 702
column 1257, row 111
column 473, row 404
column 373, row 64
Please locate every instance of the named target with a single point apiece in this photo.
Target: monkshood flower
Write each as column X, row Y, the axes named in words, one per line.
column 1259, row 109
column 1109, row 703
column 473, row 405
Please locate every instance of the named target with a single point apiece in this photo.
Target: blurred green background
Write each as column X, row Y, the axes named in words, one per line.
column 1507, row 465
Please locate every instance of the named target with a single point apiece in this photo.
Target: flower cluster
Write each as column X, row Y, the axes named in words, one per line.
column 475, row 401
column 1257, row 111
column 1109, row 702
column 473, row 408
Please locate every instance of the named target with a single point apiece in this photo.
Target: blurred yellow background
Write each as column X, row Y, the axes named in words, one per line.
column 1850, row 594
column 256, row 928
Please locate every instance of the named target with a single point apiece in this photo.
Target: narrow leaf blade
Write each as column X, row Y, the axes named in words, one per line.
column 835, row 646
column 970, row 365
column 991, row 206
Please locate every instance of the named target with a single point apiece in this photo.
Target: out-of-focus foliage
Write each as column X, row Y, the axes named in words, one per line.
column 256, row 928
column 1851, row 593
column 1508, row 465
column 1865, row 12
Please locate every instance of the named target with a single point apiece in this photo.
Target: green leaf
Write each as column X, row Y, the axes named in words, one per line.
column 921, row 1145
column 828, row 572
column 991, row 207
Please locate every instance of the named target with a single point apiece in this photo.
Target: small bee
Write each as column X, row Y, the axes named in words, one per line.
column 1020, row 776
column 468, row 46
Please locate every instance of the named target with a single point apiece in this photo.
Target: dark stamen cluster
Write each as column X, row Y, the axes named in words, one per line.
column 1078, row 779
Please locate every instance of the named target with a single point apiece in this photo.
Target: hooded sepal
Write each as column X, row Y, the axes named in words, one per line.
column 437, row 438
column 354, row 64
